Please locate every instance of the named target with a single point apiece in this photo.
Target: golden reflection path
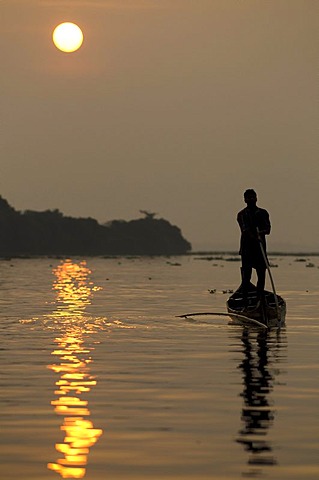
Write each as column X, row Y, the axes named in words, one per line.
column 73, row 359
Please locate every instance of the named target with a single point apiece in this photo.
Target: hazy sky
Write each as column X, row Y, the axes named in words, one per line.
column 174, row 106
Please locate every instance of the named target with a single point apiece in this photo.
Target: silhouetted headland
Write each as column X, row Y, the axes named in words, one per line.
column 32, row 233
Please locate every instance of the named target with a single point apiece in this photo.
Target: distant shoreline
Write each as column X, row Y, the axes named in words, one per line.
column 271, row 253
column 49, row 233
column 215, row 255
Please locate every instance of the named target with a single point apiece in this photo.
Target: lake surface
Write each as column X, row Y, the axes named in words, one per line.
column 100, row 380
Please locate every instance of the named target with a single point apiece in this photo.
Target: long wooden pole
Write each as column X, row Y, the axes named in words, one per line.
column 270, row 275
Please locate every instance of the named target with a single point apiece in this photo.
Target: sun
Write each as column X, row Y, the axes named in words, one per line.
column 67, row 37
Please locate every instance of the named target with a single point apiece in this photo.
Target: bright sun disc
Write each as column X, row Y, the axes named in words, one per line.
column 67, row 37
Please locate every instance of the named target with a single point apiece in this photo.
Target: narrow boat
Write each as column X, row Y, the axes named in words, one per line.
column 271, row 311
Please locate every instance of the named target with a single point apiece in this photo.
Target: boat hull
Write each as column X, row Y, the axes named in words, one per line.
column 265, row 312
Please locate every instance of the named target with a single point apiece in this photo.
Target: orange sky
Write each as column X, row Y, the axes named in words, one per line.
column 175, row 106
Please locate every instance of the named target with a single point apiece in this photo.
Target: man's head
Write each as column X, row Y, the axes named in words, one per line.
column 250, row 197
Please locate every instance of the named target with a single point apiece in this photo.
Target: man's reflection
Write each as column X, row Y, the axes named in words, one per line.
column 73, row 360
column 262, row 350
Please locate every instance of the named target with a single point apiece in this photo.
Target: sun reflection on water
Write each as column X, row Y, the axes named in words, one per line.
column 73, row 287
column 73, row 355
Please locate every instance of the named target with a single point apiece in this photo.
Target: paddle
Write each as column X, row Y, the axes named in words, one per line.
column 269, row 273
column 222, row 314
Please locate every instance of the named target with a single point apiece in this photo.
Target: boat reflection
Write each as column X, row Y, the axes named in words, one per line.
column 263, row 352
column 73, row 365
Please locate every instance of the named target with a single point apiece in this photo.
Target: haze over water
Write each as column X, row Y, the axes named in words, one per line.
column 100, row 380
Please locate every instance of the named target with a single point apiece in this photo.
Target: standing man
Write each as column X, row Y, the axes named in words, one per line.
column 254, row 224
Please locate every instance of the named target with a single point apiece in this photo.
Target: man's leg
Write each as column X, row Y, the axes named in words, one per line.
column 261, row 275
column 246, row 272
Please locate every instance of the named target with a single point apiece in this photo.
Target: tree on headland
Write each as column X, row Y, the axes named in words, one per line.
column 149, row 215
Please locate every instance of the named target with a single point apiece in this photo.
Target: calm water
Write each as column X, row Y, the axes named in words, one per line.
column 100, row 380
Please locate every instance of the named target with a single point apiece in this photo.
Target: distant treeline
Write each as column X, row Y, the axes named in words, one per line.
column 52, row 233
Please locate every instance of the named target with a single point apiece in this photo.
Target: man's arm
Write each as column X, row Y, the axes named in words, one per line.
column 243, row 224
column 265, row 226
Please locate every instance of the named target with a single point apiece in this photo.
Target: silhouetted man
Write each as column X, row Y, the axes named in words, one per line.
column 254, row 225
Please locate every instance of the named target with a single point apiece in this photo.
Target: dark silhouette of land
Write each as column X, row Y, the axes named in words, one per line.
column 51, row 233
